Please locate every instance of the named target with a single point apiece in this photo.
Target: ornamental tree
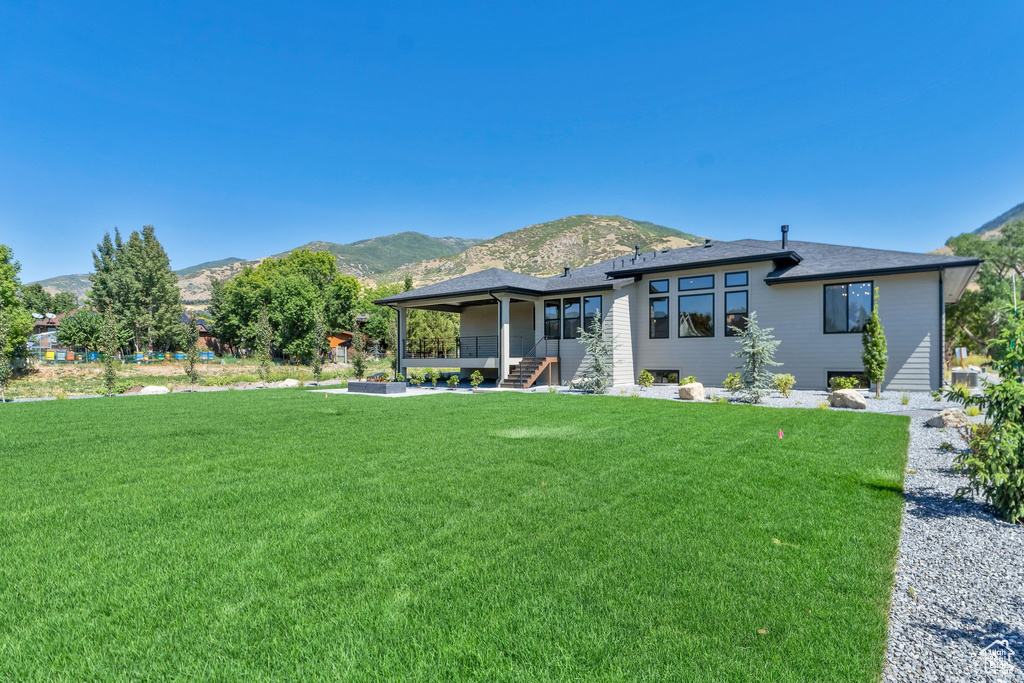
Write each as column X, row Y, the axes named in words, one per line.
column 757, row 350
column 597, row 363
column 875, row 356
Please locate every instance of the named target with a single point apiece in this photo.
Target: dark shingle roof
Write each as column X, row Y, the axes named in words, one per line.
column 799, row 261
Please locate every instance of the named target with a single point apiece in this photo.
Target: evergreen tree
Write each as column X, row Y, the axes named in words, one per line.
column 757, row 349
column 319, row 344
column 111, row 345
column 264, row 338
column 6, row 360
column 597, row 363
column 190, row 338
column 358, row 353
column 875, row 355
column 134, row 280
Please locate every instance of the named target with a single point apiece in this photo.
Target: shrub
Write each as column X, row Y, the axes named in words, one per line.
column 973, row 411
column 399, row 377
column 994, row 463
column 645, row 380
column 904, row 398
column 936, row 396
column 689, row 379
column 415, row 380
column 757, row 351
column 453, row 381
column 732, row 382
column 433, row 375
column 875, row 355
column 946, row 447
column 476, row 379
column 784, row 383
column 837, row 383
column 824, row 405
column 552, row 389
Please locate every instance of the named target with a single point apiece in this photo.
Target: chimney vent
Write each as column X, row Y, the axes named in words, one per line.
column 707, row 243
column 565, row 273
column 636, row 249
column 785, row 236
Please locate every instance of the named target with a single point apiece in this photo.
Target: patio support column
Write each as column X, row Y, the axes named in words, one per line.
column 538, row 320
column 400, row 351
column 503, row 337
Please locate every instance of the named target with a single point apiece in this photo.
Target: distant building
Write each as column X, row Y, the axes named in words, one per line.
column 207, row 340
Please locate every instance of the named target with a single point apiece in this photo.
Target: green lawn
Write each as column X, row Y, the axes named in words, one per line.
column 281, row 534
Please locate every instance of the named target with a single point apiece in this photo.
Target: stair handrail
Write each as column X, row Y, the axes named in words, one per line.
column 532, row 353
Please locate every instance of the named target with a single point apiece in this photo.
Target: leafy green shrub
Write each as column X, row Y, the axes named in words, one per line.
column 732, row 382
column 433, row 375
column 453, row 381
column 415, row 379
column 936, row 396
column 645, row 380
column 122, row 385
column 994, row 463
column 973, row 411
column 399, row 377
column 476, row 379
column 837, row 383
column 784, row 383
column 689, row 379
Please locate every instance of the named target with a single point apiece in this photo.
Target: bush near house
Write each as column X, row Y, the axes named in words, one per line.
column 645, row 380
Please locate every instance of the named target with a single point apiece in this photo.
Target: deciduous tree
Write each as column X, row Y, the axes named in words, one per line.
column 190, row 340
column 18, row 319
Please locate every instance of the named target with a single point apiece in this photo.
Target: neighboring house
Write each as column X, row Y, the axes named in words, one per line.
column 670, row 312
column 340, row 343
column 45, row 324
column 206, row 338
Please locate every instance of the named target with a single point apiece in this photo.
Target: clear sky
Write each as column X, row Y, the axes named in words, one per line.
column 246, row 129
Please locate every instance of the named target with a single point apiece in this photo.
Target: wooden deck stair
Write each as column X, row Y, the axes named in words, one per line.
column 524, row 375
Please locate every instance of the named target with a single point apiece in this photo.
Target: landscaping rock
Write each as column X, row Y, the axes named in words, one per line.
column 153, row 390
column 950, row 417
column 288, row 383
column 694, row 391
column 847, row 398
column 133, row 391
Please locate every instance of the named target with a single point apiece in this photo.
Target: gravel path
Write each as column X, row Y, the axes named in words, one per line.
column 960, row 570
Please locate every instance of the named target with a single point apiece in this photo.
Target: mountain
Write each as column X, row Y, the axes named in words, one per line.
column 541, row 249
column 372, row 257
column 546, row 248
column 185, row 272
column 78, row 284
column 1014, row 214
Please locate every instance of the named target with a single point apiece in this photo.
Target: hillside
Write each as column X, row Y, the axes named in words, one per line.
column 546, row 248
column 1014, row 214
column 541, row 249
column 78, row 284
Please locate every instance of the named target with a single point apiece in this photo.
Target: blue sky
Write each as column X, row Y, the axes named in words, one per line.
column 246, row 129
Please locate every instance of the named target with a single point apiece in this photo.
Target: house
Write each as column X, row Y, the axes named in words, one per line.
column 44, row 324
column 207, row 340
column 671, row 312
column 339, row 343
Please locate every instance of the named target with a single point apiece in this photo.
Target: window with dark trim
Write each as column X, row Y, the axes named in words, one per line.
column 658, row 287
column 736, row 309
column 570, row 318
column 665, row 376
column 591, row 307
column 697, row 315
column 659, row 317
column 736, row 279
column 552, row 319
column 847, row 307
column 699, row 282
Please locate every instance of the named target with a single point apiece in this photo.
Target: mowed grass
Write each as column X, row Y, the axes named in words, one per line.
column 282, row 534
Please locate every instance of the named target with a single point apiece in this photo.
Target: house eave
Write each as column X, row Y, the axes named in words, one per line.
column 715, row 263
column 870, row 272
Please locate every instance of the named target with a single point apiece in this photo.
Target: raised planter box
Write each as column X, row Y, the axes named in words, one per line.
column 376, row 387
column 967, row 377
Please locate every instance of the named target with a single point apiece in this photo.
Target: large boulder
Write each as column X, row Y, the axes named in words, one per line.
column 847, row 398
column 288, row 383
column 694, row 391
column 153, row 390
column 950, row 417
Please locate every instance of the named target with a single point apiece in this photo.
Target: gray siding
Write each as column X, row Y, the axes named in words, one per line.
column 908, row 306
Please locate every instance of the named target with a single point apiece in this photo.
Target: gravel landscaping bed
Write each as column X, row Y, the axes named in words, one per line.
column 960, row 571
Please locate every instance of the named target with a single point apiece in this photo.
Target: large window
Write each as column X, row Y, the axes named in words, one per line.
column 658, row 287
column 570, row 318
column 591, row 307
column 847, row 307
column 552, row 319
column 697, row 315
column 700, row 282
column 659, row 317
column 736, row 279
column 736, row 308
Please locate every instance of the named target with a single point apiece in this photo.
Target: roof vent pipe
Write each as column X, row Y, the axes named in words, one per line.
column 636, row 250
column 565, row 273
column 785, row 235
column 707, row 243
